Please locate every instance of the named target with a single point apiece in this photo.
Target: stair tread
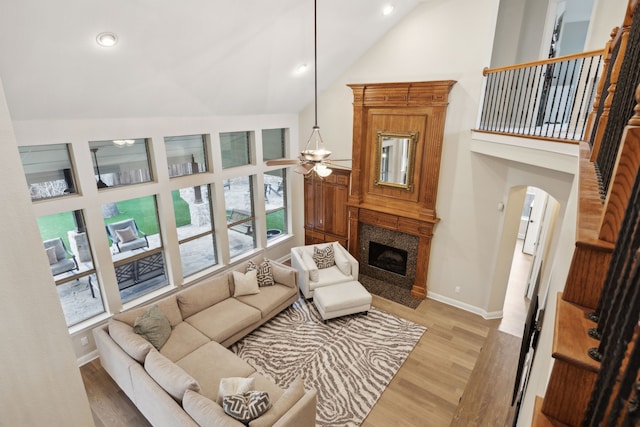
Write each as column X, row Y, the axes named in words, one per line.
column 571, row 341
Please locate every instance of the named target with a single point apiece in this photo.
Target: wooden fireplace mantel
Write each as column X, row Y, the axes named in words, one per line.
column 404, row 107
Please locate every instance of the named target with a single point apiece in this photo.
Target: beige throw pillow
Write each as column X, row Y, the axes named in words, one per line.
column 126, row 235
column 154, row 326
column 245, row 284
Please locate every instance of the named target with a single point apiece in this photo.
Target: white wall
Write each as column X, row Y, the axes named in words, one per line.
column 40, row 383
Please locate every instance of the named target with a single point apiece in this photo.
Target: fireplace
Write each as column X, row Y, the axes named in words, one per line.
column 388, row 258
column 378, row 246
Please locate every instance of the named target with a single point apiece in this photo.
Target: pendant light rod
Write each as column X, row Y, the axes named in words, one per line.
column 315, row 59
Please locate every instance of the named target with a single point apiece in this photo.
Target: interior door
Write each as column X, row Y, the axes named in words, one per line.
column 532, row 233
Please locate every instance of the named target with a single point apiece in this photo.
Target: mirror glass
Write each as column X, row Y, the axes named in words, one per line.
column 395, row 158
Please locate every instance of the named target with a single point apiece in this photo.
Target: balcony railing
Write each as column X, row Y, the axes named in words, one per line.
column 547, row 99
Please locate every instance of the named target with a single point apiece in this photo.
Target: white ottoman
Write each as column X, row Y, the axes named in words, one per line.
column 341, row 299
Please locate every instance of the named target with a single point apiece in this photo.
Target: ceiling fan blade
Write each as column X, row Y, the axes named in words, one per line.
column 281, row 162
column 304, row 168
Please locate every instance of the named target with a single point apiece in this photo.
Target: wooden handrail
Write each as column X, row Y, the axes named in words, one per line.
column 588, row 54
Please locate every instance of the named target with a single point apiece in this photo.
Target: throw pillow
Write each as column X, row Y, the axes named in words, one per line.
column 154, row 326
column 51, row 254
column 171, row 377
column 233, row 385
column 245, row 284
column 205, row 412
column 324, row 257
column 126, row 235
column 245, row 407
column 265, row 275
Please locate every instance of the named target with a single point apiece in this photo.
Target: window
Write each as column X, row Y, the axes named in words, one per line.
column 274, row 144
column 67, row 246
column 235, row 149
column 241, row 224
column 186, row 155
column 192, row 208
column 48, row 170
column 136, row 247
column 275, row 198
column 120, row 162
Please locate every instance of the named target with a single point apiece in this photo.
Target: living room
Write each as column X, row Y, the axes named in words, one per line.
column 469, row 183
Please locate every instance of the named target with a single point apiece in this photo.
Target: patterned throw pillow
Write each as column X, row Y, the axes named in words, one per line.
column 265, row 275
column 324, row 257
column 248, row 406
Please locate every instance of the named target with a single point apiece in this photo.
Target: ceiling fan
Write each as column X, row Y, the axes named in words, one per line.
column 314, row 156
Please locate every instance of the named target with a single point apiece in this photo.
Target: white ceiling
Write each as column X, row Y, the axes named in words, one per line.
column 178, row 58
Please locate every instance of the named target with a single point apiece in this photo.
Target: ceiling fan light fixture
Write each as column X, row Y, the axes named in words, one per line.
column 322, row 170
column 123, row 142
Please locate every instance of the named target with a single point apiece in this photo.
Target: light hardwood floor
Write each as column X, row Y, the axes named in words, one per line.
column 425, row 391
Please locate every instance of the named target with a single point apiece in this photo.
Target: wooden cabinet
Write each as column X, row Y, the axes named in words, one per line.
column 325, row 207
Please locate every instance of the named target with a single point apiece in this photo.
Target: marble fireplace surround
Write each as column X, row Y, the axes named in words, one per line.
column 396, row 239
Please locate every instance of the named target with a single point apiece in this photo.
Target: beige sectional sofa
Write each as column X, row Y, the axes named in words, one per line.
column 178, row 384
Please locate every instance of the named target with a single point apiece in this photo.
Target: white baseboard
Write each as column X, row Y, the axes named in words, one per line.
column 83, row 360
column 464, row 306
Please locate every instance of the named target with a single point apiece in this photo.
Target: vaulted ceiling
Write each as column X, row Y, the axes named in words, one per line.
column 178, row 58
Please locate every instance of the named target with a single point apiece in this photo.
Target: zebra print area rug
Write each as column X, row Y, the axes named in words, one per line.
column 349, row 361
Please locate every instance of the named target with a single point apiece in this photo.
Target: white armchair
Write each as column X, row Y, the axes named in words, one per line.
column 310, row 277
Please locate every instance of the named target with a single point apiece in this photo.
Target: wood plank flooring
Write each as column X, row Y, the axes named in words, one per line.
column 425, row 391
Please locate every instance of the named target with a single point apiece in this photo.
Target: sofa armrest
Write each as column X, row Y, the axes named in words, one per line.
column 355, row 266
column 284, row 274
column 303, row 271
column 302, row 414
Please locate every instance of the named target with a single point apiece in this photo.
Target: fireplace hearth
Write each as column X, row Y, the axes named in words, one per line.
column 388, row 258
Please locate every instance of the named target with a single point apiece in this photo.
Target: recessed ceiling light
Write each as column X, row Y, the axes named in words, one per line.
column 388, row 9
column 107, row 39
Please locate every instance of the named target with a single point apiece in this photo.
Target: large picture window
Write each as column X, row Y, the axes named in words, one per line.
column 136, row 247
column 241, row 222
column 66, row 244
column 120, row 162
column 194, row 222
column 48, row 170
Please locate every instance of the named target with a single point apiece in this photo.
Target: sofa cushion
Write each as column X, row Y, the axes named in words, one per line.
column 224, row 319
column 290, row 397
column 324, row 257
column 183, row 340
column 245, row 283
column 171, row 377
column 248, row 406
column 206, row 412
column 265, row 273
column 133, row 344
column 153, row 326
column 329, row 276
column 212, row 362
column 284, row 274
column 269, row 298
column 168, row 306
column 233, row 385
column 197, row 297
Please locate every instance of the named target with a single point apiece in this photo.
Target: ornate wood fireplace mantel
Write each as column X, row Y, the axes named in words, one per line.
column 401, row 199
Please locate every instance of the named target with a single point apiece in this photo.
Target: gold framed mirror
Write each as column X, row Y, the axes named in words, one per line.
column 395, row 158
